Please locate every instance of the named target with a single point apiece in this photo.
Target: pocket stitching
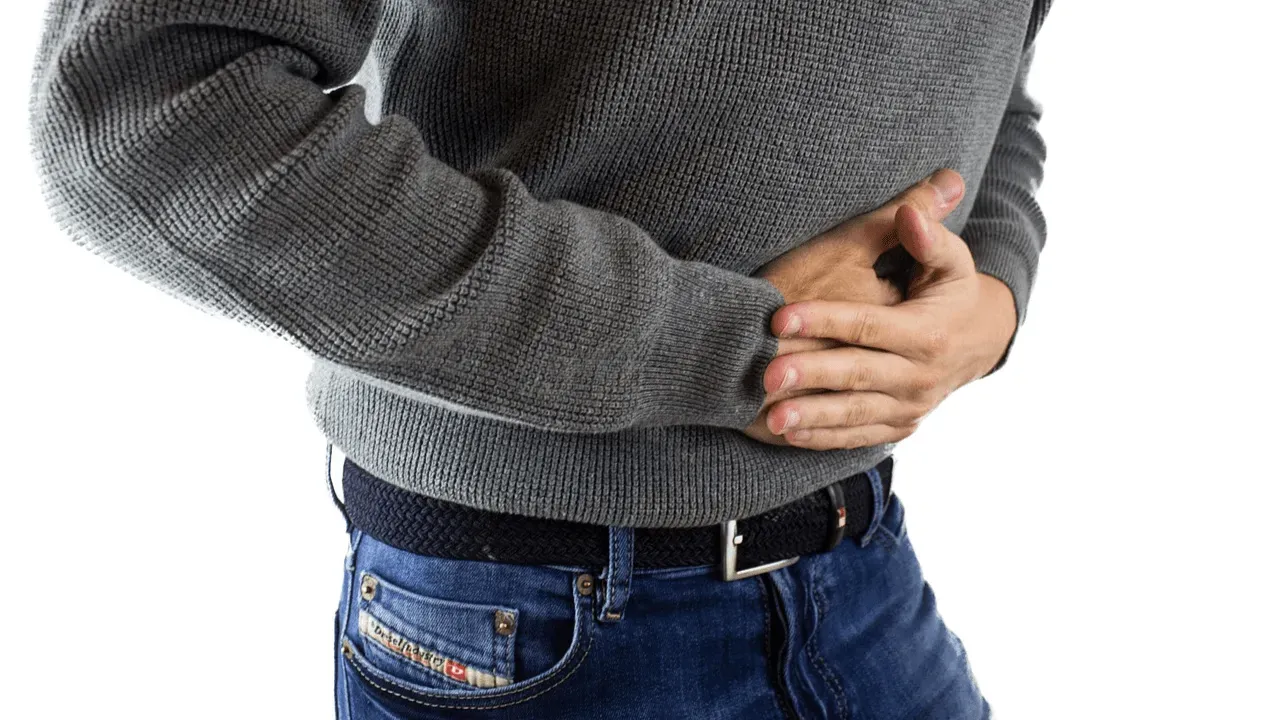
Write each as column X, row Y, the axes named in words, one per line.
column 493, row 665
column 563, row 677
column 581, row 625
column 889, row 539
column 449, row 681
column 431, row 600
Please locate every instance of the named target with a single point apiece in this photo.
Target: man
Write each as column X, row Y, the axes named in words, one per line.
column 618, row 311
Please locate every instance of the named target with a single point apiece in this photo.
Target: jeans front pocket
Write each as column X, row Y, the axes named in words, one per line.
column 426, row 637
column 439, row 643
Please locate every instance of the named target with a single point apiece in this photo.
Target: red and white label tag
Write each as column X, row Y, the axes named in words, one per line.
column 422, row 656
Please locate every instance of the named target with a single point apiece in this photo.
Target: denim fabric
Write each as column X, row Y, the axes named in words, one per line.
column 852, row 633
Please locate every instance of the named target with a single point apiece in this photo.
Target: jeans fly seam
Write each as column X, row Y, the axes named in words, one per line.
column 630, row 560
column 824, row 670
column 611, row 584
column 610, row 576
column 767, row 620
column 767, row 601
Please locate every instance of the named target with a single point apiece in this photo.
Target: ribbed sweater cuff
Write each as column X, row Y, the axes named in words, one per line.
column 716, row 327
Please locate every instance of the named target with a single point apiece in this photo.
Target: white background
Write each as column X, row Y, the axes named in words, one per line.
column 1098, row 518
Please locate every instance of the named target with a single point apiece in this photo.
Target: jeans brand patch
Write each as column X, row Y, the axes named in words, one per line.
column 425, row 657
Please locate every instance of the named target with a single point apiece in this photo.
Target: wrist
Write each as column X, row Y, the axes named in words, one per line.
column 1000, row 312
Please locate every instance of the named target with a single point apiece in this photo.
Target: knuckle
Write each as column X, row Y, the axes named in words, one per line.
column 859, row 437
column 863, row 327
column 849, row 378
column 920, row 194
column 855, row 412
column 916, row 413
column 857, row 376
column 922, row 383
column 924, row 201
column 818, row 324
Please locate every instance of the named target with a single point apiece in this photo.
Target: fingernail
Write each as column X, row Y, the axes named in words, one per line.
column 792, row 327
column 945, row 183
column 793, row 419
column 788, row 379
column 801, row 435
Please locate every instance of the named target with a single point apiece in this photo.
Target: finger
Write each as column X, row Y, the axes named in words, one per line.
column 786, row 346
column 776, row 397
column 847, row 368
column 935, row 197
column 843, row 438
column 897, row 328
column 939, row 250
column 759, row 430
column 841, row 409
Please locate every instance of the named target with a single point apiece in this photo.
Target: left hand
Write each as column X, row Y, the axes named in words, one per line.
column 899, row 362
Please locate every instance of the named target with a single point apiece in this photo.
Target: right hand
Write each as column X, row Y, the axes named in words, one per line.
column 839, row 265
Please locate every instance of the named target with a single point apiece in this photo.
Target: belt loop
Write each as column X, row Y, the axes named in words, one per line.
column 617, row 575
column 328, row 478
column 349, row 577
column 877, row 508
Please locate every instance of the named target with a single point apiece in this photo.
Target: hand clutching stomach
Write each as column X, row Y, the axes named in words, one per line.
column 857, row 364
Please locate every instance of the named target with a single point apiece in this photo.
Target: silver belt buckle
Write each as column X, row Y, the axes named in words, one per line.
column 730, row 539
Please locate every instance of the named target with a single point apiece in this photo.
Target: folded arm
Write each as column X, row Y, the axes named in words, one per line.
column 214, row 149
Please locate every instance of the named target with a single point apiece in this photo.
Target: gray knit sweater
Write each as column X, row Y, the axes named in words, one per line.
column 518, row 237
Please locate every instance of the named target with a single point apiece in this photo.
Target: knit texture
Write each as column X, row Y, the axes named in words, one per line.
column 519, row 237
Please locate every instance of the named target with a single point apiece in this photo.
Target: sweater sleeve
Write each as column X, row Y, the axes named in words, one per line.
column 217, row 150
column 1006, row 230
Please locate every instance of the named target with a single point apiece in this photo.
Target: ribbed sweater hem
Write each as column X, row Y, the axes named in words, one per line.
column 674, row 476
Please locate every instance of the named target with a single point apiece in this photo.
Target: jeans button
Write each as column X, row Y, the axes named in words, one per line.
column 368, row 587
column 504, row 622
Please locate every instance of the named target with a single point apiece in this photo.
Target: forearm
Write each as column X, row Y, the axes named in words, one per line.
column 193, row 143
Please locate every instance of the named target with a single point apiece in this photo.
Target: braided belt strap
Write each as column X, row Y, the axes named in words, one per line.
column 429, row 526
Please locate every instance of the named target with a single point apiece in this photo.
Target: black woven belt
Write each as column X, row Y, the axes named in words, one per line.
column 428, row 526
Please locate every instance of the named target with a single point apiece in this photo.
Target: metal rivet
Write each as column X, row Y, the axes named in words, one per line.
column 346, row 649
column 368, row 586
column 504, row 622
column 585, row 584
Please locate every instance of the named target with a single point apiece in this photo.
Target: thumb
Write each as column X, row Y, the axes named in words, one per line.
column 939, row 251
column 935, row 197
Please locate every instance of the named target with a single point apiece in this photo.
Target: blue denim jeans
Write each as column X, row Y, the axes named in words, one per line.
column 850, row 633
